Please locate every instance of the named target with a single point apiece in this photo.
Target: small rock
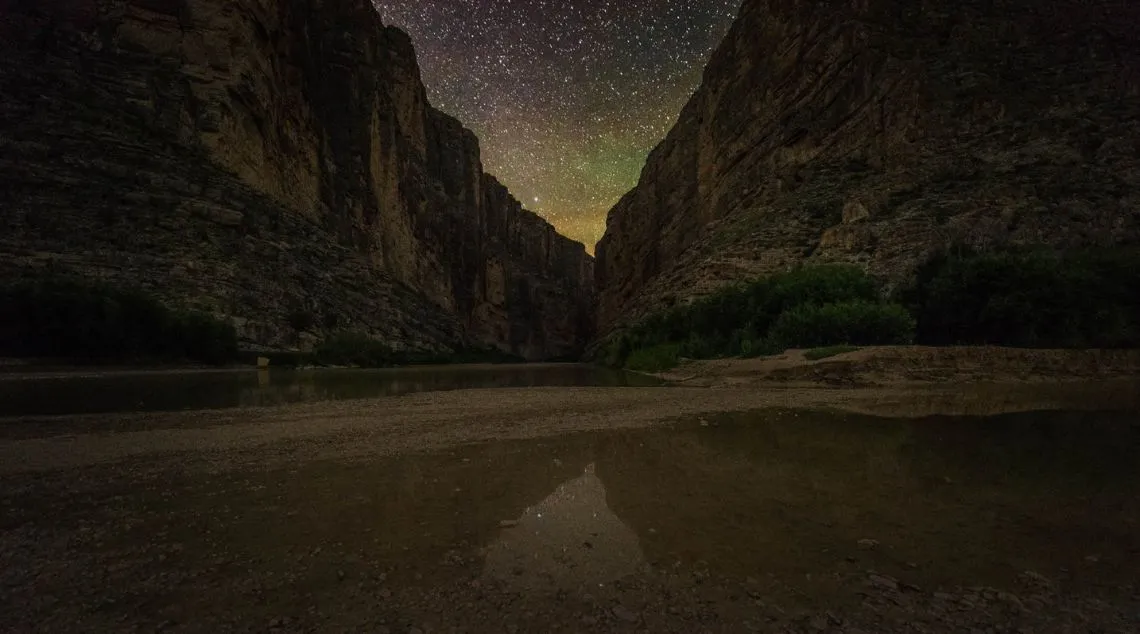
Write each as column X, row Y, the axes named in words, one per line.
column 625, row 614
column 884, row 582
column 385, row 593
column 868, row 544
column 508, row 523
column 340, row 575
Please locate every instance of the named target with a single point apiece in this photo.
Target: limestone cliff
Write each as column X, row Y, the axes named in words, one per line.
column 264, row 159
column 879, row 131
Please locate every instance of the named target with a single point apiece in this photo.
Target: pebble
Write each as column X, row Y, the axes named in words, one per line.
column 625, row 614
column 882, row 581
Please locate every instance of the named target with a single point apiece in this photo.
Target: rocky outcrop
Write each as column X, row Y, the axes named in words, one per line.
column 878, row 132
column 276, row 162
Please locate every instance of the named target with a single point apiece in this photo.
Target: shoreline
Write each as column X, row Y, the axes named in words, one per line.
column 905, row 366
column 15, row 372
column 402, row 513
column 370, row 428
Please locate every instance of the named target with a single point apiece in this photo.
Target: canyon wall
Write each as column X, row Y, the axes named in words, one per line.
column 273, row 161
column 879, row 132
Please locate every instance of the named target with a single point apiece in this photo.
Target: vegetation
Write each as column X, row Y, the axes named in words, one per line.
column 84, row 322
column 1029, row 298
column 858, row 321
column 816, row 354
column 655, row 358
column 358, row 349
column 806, row 307
column 1022, row 298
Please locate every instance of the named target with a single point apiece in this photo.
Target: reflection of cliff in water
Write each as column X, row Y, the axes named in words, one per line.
column 570, row 539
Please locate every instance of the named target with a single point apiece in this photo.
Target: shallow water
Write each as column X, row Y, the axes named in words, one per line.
column 108, row 392
column 800, row 499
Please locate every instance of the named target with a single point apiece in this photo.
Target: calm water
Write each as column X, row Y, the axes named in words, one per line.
column 795, row 499
column 167, row 391
column 945, row 500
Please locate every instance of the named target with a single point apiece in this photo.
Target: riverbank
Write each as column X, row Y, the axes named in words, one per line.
column 885, row 366
column 363, row 429
column 579, row 509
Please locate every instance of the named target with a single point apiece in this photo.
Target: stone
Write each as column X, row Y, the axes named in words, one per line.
column 625, row 614
column 882, row 581
column 870, row 133
column 256, row 177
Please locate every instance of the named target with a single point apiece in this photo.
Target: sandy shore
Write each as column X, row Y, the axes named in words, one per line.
column 366, row 428
column 326, row 516
column 909, row 366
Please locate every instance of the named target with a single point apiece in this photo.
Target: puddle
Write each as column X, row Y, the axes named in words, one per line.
column 569, row 539
column 800, row 497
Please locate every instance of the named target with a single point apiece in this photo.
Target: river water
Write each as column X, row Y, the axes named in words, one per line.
column 99, row 392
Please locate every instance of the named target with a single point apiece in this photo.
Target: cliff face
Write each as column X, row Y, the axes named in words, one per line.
column 878, row 132
column 265, row 159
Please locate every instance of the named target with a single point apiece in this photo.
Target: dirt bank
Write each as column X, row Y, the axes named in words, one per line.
column 913, row 365
column 382, row 515
column 359, row 429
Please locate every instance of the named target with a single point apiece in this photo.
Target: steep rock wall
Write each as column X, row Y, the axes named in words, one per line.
column 878, row 132
column 263, row 159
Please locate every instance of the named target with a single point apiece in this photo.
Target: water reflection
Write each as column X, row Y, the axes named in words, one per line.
column 570, row 539
column 171, row 391
column 795, row 495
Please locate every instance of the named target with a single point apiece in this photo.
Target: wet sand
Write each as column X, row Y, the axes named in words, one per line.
column 364, row 428
column 396, row 515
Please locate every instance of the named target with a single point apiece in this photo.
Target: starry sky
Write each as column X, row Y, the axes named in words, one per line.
column 567, row 96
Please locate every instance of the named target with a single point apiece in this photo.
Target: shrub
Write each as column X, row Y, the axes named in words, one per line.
column 857, row 322
column 354, row 348
column 655, row 359
column 736, row 320
column 1031, row 298
column 83, row 321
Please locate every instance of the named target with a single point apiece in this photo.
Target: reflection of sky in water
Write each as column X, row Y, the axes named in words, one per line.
column 569, row 539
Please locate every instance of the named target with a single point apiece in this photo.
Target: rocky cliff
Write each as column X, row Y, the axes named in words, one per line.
column 274, row 161
column 878, row 132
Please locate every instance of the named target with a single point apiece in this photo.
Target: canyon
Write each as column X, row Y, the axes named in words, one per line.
column 276, row 164
column 882, row 133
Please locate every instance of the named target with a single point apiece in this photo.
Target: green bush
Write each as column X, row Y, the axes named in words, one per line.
column 83, row 321
column 856, row 322
column 354, row 348
column 736, row 320
column 358, row 349
column 1030, row 298
column 655, row 359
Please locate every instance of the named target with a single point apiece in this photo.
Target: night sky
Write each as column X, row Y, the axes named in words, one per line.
column 567, row 96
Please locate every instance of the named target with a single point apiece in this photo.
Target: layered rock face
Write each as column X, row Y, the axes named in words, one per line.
column 264, row 159
column 878, row 132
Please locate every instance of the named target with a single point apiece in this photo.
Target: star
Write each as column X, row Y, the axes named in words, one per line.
column 567, row 97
